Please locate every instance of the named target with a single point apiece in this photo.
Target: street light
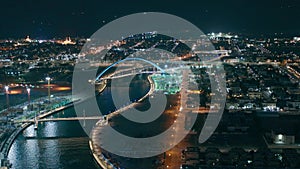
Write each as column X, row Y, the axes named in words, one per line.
column 48, row 79
column 7, row 99
column 28, row 92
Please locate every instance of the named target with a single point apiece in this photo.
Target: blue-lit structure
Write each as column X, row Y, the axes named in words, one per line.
column 128, row 59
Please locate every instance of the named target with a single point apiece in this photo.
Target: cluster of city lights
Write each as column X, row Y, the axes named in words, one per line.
column 28, row 89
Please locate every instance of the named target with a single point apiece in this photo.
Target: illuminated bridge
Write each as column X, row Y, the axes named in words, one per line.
column 98, row 78
column 60, row 119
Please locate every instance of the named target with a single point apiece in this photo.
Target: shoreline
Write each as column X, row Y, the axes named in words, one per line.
column 10, row 140
column 100, row 158
column 5, row 147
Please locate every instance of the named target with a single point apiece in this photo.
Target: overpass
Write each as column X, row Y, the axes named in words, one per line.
column 60, row 119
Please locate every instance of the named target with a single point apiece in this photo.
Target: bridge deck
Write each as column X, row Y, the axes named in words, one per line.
column 61, row 119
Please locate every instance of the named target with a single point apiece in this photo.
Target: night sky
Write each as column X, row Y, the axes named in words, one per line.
column 60, row 18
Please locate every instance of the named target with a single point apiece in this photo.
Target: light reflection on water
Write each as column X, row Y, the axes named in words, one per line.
column 55, row 145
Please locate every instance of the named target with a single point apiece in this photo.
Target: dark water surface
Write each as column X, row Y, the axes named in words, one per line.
column 55, row 145
column 60, row 145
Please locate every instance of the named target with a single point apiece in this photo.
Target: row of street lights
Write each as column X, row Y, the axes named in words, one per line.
column 28, row 93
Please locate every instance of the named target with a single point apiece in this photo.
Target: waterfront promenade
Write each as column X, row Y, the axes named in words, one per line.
column 98, row 155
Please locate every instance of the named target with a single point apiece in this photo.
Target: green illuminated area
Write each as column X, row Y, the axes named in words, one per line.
column 167, row 83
